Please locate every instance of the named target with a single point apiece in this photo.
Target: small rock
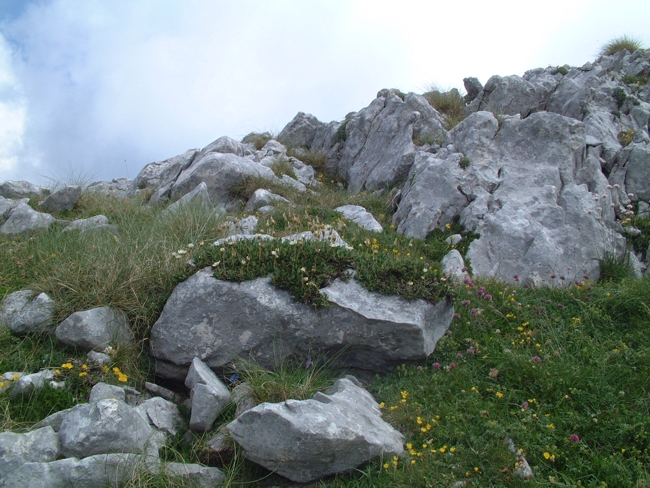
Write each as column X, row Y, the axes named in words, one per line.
column 23, row 313
column 95, row 329
column 64, row 199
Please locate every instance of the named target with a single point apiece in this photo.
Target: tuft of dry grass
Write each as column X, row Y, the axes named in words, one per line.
column 626, row 42
column 450, row 104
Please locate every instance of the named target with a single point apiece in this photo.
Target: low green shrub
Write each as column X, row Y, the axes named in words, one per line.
column 620, row 96
column 464, row 162
column 282, row 167
column 626, row 136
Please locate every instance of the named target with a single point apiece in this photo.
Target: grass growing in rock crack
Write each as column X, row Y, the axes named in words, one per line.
column 624, row 42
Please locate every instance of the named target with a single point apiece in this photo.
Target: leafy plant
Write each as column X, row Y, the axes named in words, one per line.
column 624, row 42
column 464, row 162
column 282, row 167
column 563, row 70
column 614, row 268
column 620, row 96
column 636, row 80
column 341, row 136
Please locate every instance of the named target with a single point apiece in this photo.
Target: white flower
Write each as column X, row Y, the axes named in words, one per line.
column 215, row 264
column 303, row 270
column 223, row 249
column 181, row 252
column 425, row 270
column 190, row 246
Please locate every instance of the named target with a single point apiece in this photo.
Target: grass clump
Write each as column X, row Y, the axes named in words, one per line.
column 614, row 268
column 258, row 139
column 626, row 136
column 624, row 42
column 451, row 104
column 620, row 96
column 341, row 136
column 282, row 167
column 464, row 162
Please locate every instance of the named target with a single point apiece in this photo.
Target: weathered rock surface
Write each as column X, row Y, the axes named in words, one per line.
column 198, row 196
column 90, row 472
column 306, row 440
column 103, row 427
column 7, row 205
column 25, row 313
column 63, row 199
column 119, row 187
column 95, row 329
column 98, row 221
column 24, row 218
column 360, row 216
column 21, row 189
column 199, row 476
column 219, row 321
column 40, row 445
column 301, row 130
column 27, row 384
column 104, row 391
column 379, row 150
column 526, row 193
column 263, row 197
column 162, row 414
column 209, row 396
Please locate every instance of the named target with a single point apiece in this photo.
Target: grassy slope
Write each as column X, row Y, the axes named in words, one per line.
column 539, row 366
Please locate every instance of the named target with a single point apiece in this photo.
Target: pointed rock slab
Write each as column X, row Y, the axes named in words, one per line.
column 95, row 329
column 25, row 313
column 208, row 395
column 219, row 321
column 360, row 216
column 306, row 440
column 22, row 189
column 40, row 445
column 199, row 476
column 162, row 414
column 104, row 427
column 91, row 472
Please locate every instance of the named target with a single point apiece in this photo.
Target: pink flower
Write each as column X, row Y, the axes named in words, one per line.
column 474, row 312
column 452, row 365
column 419, row 368
column 516, row 277
column 587, row 299
column 481, row 291
column 574, row 438
column 456, row 315
column 459, row 355
column 536, row 359
column 488, row 297
column 524, row 405
column 562, row 278
column 435, row 366
column 553, row 276
column 470, row 351
column 465, row 303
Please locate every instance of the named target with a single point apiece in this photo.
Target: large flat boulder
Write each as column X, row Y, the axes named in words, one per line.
column 95, row 329
column 24, row 218
column 26, row 312
column 305, row 440
column 219, row 321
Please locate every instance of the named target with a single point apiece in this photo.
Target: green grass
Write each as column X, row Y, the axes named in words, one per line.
column 624, row 42
column 539, row 366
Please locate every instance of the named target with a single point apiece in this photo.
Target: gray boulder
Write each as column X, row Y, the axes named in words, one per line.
column 103, row 427
column 25, row 313
column 300, row 132
column 63, row 199
column 209, row 396
column 91, row 472
column 40, row 445
column 161, row 174
column 379, row 150
column 454, row 266
column 263, row 197
column 7, row 205
column 199, row 476
column 103, row 391
column 162, row 414
column 360, row 216
column 220, row 321
column 27, row 384
column 119, row 188
column 22, row 189
column 309, row 439
column 24, row 218
column 98, row 221
column 199, row 196
column 473, row 87
column 95, row 329
column 53, row 421
column 632, row 171
column 221, row 172
column 224, row 145
column 244, row 226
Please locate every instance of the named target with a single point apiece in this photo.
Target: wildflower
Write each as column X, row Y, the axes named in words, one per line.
column 499, row 394
column 488, row 297
column 459, row 355
column 536, row 359
column 405, row 395
column 435, row 366
column 456, row 315
column 382, row 405
column 66, row 365
column 57, row 371
column 215, row 264
column 419, row 368
column 386, row 465
column 82, row 374
column 494, row 372
column 84, row 367
column 470, row 351
column 524, row 406
column 465, row 303
column 474, row 312
column 574, row 438
column 452, row 366
column 550, row 426
column 516, row 277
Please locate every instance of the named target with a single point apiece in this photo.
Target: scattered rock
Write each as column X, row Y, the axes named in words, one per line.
column 360, row 216
column 63, row 199
column 27, row 384
column 162, row 414
column 306, row 440
column 208, row 395
column 25, row 313
column 41, row 445
column 22, row 189
column 262, row 198
column 103, row 391
column 95, row 329
column 24, row 218
column 119, row 188
column 98, row 221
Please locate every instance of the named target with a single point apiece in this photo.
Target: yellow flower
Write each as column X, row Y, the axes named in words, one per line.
column 16, row 377
column 413, row 461
column 122, row 378
column 386, row 465
column 66, row 365
column 550, row 426
column 419, row 420
column 499, row 394
column 84, row 366
column 448, row 226
column 547, row 455
column 82, row 374
column 382, row 405
column 57, row 371
column 409, row 446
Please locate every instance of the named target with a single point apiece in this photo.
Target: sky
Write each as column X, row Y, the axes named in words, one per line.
column 96, row 89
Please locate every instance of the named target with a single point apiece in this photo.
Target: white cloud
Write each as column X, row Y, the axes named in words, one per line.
column 110, row 86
